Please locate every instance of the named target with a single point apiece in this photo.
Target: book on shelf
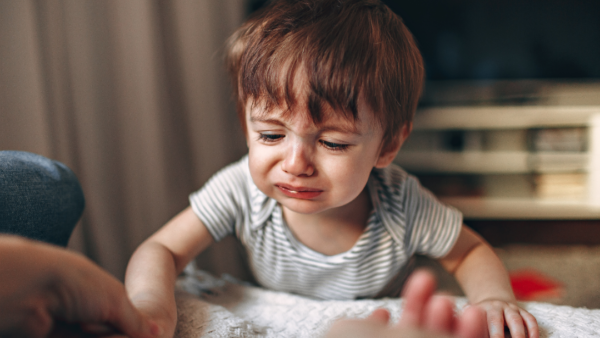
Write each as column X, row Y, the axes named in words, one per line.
column 573, row 139
column 561, row 186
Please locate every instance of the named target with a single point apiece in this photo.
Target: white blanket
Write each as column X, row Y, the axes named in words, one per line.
column 222, row 307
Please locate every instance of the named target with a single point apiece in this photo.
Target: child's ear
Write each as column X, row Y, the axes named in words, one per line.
column 387, row 155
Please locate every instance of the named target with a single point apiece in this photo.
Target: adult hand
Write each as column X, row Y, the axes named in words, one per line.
column 423, row 316
column 49, row 291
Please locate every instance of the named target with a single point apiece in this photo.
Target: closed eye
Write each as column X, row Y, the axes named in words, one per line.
column 334, row 146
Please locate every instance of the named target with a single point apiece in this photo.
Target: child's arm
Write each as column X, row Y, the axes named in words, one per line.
column 154, row 266
column 486, row 284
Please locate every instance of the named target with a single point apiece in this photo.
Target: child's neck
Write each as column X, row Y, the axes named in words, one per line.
column 333, row 231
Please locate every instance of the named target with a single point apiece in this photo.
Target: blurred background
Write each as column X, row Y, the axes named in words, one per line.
column 129, row 94
column 132, row 95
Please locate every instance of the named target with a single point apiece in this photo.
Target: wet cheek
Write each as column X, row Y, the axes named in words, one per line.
column 262, row 168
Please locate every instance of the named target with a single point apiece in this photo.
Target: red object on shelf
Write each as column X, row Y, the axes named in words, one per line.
column 531, row 285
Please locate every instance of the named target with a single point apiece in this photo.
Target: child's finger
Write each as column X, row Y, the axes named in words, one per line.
column 495, row 320
column 531, row 323
column 418, row 290
column 514, row 321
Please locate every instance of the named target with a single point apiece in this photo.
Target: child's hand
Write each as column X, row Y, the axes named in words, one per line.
column 500, row 313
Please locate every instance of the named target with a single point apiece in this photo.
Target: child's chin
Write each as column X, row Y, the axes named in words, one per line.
column 307, row 207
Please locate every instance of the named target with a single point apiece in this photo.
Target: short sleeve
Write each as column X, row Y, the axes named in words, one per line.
column 432, row 227
column 221, row 202
column 414, row 217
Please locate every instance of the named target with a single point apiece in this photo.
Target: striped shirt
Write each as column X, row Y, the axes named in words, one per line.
column 406, row 220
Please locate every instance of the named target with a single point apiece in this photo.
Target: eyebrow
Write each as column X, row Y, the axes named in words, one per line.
column 342, row 129
column 266, row 120
column 337, row 128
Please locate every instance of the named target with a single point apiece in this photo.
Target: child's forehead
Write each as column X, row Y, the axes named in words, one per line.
column 296, row 101
column 299, row 115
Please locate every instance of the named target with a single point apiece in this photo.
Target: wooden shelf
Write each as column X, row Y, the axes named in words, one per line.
column 523, row 208
column 504, row 117
column 481, row 137
column 489, row 162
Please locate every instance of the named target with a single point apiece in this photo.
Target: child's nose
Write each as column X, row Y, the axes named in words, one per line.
column 298, row 161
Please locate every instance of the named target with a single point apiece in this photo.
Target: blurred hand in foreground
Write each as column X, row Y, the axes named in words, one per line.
column 423, row 315
column 47, row 291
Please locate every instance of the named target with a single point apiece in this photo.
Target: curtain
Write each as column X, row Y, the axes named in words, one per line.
column 132, row 95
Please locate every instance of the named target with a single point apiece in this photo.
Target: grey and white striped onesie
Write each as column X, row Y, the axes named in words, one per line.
column 406, row 220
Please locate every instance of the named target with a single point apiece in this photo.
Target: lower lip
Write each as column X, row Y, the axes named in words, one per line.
column 299, row 194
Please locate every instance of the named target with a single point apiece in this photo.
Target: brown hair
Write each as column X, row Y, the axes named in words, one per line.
column 347, row 48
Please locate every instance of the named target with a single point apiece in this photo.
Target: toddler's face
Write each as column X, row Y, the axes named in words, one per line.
column 312, row 168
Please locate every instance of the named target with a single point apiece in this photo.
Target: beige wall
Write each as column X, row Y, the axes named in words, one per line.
column 132, row 96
